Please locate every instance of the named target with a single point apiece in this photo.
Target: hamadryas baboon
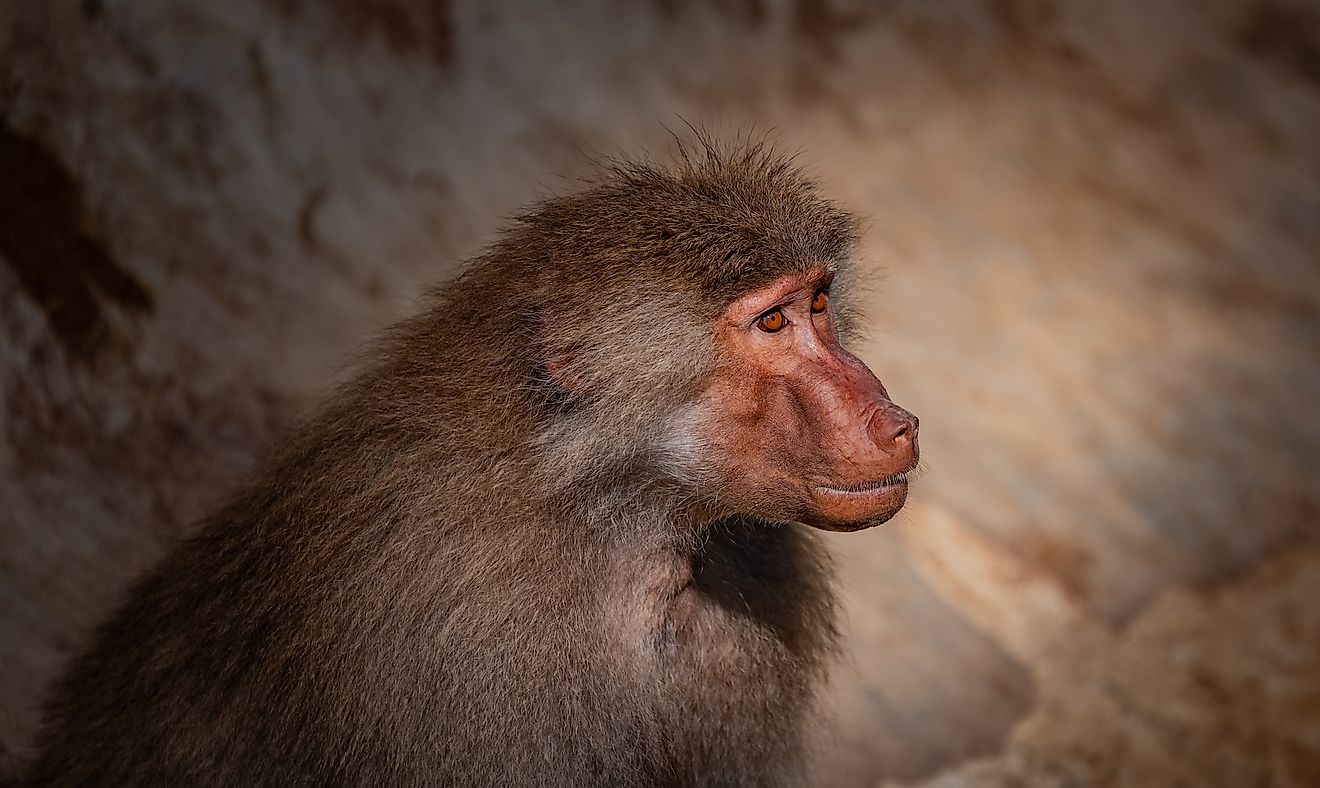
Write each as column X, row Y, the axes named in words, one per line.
column 551, row 535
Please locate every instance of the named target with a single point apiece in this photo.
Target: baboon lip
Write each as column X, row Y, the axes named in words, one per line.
column 854, row 507
column 865, row 488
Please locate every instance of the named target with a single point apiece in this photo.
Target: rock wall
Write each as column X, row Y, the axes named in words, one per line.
column 1095, row 231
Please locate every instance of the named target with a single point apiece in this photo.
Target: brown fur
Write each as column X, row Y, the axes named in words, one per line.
column 485, row 562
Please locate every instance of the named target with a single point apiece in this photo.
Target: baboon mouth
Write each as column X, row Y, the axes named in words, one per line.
column 893, row 480
column 853, row 507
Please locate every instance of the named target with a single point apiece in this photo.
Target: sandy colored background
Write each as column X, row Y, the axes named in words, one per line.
column 1096, row 228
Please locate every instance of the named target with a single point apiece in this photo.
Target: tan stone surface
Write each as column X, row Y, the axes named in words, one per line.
column 1214, row 688
column 1095, row 230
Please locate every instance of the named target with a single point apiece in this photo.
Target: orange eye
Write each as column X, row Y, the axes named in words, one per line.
column 771, row 322
column 820, row 303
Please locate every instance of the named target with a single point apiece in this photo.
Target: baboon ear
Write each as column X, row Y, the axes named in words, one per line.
column 560, row 356
column 559, row 367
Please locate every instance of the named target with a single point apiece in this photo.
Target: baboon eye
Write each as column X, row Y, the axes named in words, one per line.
column 772, row 321
column 820, row 303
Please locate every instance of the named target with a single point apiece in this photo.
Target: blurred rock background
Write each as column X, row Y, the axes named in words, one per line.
column 1096, row 232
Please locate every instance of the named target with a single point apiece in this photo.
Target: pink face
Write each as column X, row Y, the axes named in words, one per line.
column 801, row 428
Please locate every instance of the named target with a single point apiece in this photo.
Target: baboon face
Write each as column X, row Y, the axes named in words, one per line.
column 800, row 427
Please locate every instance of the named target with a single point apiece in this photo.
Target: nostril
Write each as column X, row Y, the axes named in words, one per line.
column 906, row 432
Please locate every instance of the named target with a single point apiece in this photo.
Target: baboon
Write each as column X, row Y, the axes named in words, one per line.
column 550, row 535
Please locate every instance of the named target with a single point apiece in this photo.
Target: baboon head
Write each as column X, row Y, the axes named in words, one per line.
column 697, row 316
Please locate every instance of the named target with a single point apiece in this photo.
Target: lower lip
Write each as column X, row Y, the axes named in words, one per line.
column 852, row 509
